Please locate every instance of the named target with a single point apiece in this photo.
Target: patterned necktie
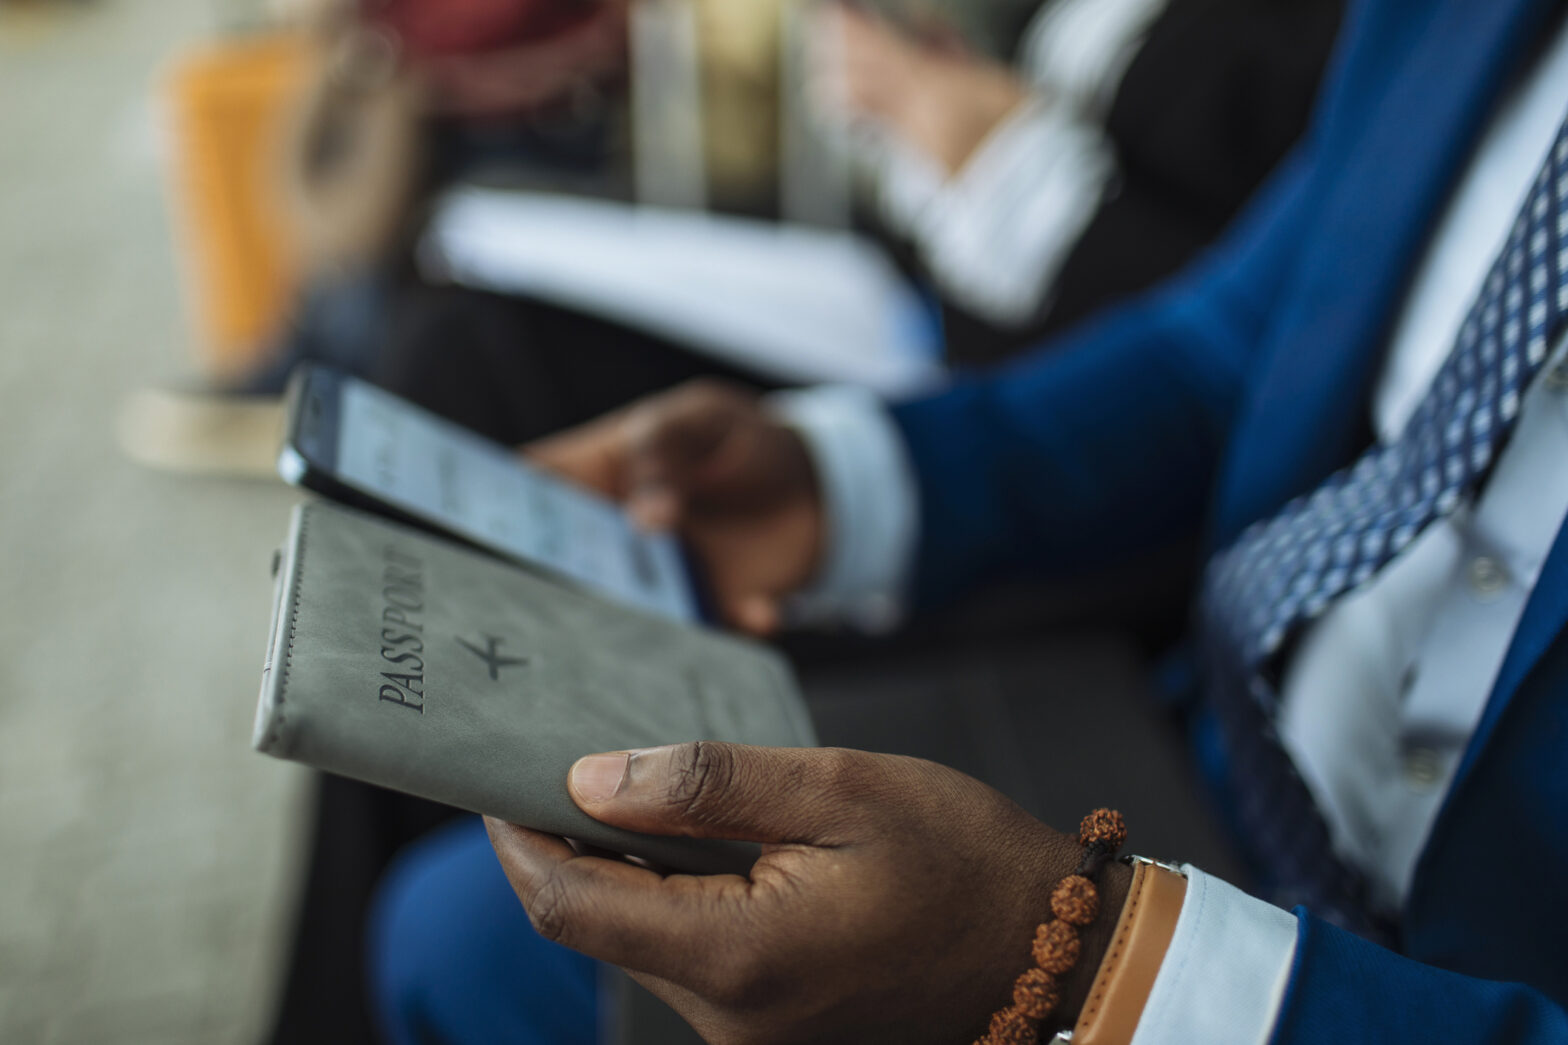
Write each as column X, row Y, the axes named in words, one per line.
column 1285, row 571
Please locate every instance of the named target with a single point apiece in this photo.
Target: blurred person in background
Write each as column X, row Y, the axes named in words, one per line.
column 379, row 104
column 1122, row 139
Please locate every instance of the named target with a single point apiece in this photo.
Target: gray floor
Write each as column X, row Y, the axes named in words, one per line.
column 144, row 851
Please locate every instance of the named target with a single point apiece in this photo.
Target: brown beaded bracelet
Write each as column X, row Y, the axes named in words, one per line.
column 1075, row 902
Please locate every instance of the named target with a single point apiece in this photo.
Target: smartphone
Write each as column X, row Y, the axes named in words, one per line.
column 356, row 443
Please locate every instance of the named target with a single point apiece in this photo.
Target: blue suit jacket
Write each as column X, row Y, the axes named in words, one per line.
column 1210, row 403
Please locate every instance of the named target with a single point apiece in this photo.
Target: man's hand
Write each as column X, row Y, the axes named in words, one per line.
column 707, row 461
column 895, row 899
column 942, row 101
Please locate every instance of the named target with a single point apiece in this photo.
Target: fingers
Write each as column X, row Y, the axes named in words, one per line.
column 678, row 442
column 856, row 61
column 616, row 912
column 753, row 561
column 591, row 455
column 755, row 614
column 714, row 790
column 653, row 453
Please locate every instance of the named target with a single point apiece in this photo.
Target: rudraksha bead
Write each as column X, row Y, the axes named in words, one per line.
column 1036, row 994
column 1056, row 947
column 1105, row 827
column 1075, row 900
column 1011, row 1027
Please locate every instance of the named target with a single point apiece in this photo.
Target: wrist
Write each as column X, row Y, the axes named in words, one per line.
column 1073, row 905
column 1129, row 969
column 1114, row 883
column 865, row 506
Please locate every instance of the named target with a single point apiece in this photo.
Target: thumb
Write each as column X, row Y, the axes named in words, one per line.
column 708, row 789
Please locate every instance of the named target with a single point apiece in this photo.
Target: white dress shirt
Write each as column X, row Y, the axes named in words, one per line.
column 1384, row 691
column 995, row 235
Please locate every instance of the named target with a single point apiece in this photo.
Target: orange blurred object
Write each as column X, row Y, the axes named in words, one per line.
column 231, row 104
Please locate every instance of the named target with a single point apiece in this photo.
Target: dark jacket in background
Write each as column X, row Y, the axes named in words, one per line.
column 1217, row 95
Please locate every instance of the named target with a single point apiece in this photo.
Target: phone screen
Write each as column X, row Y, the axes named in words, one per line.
column 458, row 480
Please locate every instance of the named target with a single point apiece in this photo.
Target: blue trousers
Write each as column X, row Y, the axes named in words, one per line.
column 454, row 961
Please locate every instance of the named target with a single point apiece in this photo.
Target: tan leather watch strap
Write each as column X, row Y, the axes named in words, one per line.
column 1138, row 946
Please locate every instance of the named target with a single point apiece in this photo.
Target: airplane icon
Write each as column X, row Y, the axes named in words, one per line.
column 491, row 655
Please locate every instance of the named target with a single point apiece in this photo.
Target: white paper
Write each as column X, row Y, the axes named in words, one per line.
column 795, row 304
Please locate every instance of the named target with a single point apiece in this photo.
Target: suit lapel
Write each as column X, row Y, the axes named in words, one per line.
column 1309, row 413
column 1545, row 617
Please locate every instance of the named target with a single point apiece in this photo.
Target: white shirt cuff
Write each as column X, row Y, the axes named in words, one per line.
column 870, row 500
column 908, row 182
column 997, row 234
column 1224, row 976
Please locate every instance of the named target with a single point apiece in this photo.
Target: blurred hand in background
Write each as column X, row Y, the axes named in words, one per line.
column 932, row 93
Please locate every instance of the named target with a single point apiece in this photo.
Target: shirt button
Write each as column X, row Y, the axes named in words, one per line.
column 1556, row 378
column 1407, row 681
column 1487, row 576
column 1423, row 769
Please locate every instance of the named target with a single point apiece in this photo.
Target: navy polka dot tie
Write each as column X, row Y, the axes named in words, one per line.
column 1285, row 571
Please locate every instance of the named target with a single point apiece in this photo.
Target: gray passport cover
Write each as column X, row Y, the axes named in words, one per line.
column 407, row 661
